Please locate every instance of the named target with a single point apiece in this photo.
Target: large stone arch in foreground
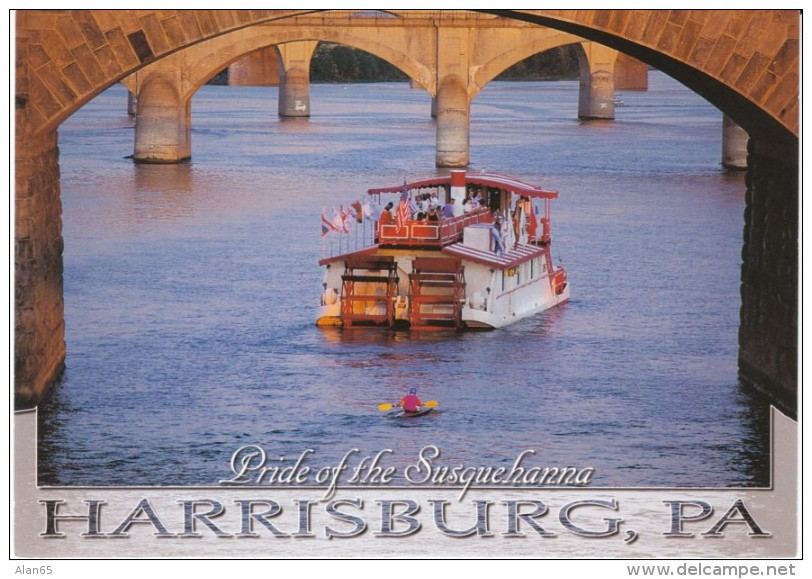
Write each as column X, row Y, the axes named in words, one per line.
column 746, row 62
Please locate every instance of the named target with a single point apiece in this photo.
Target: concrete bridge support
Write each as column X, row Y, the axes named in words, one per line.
column 163, row 122
column 132, row 104
column 453, row 113
column 734, row 145
column 453, row 96
column 768, row 333
column 39, row 327
column 596, row 99
column 294, row 78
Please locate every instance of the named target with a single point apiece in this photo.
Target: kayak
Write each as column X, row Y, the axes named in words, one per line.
column 400, row 413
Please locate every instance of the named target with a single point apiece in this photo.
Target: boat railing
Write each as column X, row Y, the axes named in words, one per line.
column 425, row 233
column 413, row 233
column 359, row 236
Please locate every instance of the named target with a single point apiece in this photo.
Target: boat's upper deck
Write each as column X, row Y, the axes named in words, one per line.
column 433, row 214
column 426, row 233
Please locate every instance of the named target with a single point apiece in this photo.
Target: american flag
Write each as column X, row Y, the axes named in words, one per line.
column 403, row 212
column 532, row 222
column 404, row 196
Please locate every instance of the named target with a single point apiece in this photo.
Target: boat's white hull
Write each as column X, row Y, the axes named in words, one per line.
column 329, row 315
column 482, row 309
column 483, row 320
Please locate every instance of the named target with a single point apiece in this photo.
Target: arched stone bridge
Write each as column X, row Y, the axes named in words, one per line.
column 744, row 62
column 451, row 58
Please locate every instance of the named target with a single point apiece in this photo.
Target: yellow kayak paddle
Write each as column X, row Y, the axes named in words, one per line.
column 385, row 406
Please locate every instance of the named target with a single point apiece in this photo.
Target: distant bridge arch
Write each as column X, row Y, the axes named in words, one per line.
column 204, row 61
column 744, row 62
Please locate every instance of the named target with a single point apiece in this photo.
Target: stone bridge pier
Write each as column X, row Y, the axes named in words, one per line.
column 596, row 97
column 294, row 78
column 768, row 330
column 163, row 118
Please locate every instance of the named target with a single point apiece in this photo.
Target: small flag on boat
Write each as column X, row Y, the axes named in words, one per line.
column 326, row 225
column 403, row 212
column 368, row 212
column 358, row 211
column 532, row 222
column 339, row 221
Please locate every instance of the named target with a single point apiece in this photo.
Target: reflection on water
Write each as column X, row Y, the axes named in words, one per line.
column 190, row 293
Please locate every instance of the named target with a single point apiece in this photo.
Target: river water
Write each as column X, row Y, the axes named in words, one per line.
column 190, row 294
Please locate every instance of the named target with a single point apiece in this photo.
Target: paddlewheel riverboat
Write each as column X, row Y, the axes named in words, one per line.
column 463, row 251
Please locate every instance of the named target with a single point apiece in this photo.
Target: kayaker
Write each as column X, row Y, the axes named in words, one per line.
column 411, row 402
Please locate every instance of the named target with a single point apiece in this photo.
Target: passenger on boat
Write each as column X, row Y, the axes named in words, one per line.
column 424, row 202
column 433, row 216
column 448, row 209
column 386, row 217
column 411, row 402
column 386, row 214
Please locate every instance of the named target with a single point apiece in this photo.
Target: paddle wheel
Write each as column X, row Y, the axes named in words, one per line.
column 437, row 293
column 369, row 289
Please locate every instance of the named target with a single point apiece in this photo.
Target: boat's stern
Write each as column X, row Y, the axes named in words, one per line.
column 329, row 310
column 329, row 315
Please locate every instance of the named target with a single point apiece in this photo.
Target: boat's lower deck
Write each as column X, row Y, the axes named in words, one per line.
column 430, row 290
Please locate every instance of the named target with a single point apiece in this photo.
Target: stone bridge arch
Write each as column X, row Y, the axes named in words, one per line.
column 746, row 62
column 201, row 62
column 415, row 50
column 66, row 57
column 502, row 61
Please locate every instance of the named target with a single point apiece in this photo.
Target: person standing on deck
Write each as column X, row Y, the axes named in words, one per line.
column 448, row 209
column 385, row 218
column 386, row 214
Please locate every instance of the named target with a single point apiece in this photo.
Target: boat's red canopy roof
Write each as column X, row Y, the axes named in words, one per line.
column 495, row 180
